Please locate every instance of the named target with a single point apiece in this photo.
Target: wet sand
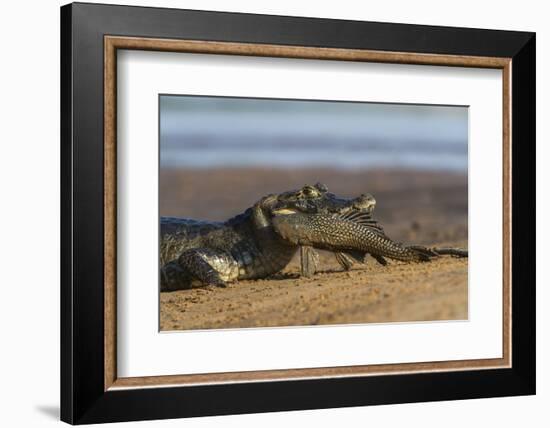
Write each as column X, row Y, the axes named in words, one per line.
column 414, row 207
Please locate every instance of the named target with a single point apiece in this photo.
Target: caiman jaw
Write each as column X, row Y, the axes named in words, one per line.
column 284, row 211
column 317, row 200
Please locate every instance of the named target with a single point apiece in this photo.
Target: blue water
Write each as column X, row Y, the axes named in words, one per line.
column 205, row 132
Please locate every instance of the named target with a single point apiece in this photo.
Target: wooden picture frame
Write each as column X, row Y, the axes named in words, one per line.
column 91, row 390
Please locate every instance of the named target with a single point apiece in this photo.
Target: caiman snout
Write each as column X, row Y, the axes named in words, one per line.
column 365, row 202
column 316, row 199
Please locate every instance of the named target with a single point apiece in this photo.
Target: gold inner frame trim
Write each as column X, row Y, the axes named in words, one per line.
column 113, row 43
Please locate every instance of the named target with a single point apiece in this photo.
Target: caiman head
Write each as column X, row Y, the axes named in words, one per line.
column 318, row 200
column 307, row 200
column 296, row 215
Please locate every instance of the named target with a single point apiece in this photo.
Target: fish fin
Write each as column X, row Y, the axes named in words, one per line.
column 376, row 228
column 357, row 256
column 344, row 260
column 424, row 253
column 365, row 219
column 353, row 214
column 309, row 259
column 348, row 258
column 380, row 259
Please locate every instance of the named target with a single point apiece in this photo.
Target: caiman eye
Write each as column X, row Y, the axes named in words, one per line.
column 310, row 192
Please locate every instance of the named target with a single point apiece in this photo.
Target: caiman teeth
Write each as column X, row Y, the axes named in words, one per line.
column 284, row 211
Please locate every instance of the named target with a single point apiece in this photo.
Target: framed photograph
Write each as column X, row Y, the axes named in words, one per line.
column 266, row 213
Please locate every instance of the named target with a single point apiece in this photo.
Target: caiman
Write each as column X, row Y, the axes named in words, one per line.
column 195, row 253
column 262, row 241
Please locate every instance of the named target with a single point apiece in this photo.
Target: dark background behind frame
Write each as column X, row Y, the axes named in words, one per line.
column 83, row 400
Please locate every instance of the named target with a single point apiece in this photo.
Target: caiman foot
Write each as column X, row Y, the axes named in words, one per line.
column 347, row 259
column 173, row 277
column 197, row 268
column 206, row 265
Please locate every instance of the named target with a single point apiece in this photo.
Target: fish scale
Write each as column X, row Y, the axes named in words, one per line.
column 334, row 233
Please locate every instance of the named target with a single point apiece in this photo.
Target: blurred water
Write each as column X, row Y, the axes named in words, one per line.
column 204, row 132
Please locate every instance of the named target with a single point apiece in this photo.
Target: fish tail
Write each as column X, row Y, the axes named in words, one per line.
column 454, row 252
column 421, row 254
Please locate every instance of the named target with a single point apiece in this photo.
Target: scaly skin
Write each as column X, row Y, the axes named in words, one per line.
column 261, row 241
column 330, row 232
column 336, row 233
column 195, row 253
column 200, row 253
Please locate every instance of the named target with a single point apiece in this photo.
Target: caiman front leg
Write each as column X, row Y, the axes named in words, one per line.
column 199, row 267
